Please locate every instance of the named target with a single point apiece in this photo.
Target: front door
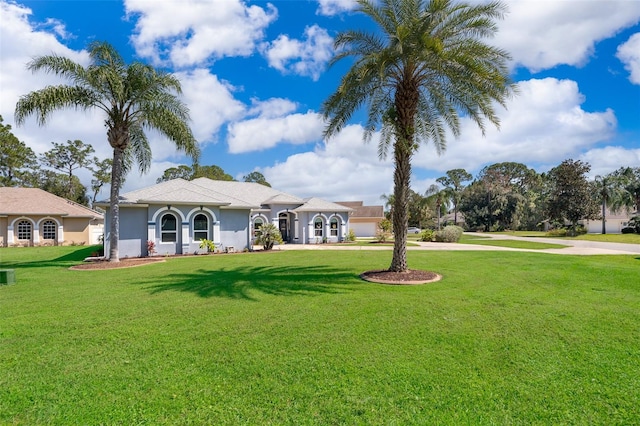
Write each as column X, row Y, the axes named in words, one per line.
column 284, row 226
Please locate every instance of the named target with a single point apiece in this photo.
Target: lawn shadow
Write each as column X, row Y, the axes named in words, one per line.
column 247, row 281
column 73, row 257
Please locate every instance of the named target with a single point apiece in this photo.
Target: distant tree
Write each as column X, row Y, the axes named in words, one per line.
column 256, row 177
column 608, row 190
column 18, row 164
column 437, row 197
column 58, row 184
column 180, row 172
column 133, row 97
column 212, row 172
column 67, row 158
column 453, row 188
column 569, row 198
column 101, row 171
column 629, row 179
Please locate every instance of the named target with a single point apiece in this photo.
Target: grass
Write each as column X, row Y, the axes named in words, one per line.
column 605, row 238
column 294, row 337
column 521, row 244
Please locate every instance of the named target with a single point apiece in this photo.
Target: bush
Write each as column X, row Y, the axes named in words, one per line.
column 449, row 234
column 351, row 236
column 426, row 235
column 267, row 235
column 628, row 230
column 558, row 232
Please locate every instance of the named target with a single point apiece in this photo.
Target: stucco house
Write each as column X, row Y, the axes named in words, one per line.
column 614, row 222
column 364, row 220
column 176, row 215
column 32, row 217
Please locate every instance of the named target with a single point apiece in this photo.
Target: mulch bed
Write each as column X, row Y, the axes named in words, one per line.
column 411, row 277
column 99, row 265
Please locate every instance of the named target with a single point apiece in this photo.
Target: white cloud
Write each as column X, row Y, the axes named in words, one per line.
column 306, row 57
column 343, row 169
column 629, row 54
column 211, row 103
column 544, row 124
column 334, row 7
column 610, row 158
column 192, row 32
column 262, row 133
column 542, row 34
column 271, row 108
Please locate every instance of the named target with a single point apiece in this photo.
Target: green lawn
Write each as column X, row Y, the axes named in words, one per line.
column 295, row 337
column 521, row 244
column 606, row 238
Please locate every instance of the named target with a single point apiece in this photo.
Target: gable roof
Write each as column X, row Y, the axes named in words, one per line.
column 362, row 211
column 314, row 204
column 35, row 201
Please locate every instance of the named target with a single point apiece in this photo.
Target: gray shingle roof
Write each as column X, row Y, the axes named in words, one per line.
column 314, row 204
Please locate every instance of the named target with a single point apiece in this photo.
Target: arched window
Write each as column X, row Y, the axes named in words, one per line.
column 169, row 228
column 24, row 230
column 49, row 230
column 333, row 226
column 318, row 226
column 257, row 224
column 200, row 227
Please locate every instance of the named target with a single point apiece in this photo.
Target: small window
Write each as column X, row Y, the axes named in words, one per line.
column 169, row 229
column 257, row 224
column 24, row 230
column 49, row 230
column 318, row 224
column 200, row 227
column 333, row 227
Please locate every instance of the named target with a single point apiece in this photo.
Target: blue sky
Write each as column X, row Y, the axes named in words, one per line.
column 254, row 76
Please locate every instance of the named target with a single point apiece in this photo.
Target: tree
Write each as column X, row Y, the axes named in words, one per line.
column 453, row 187
column 212, row 172
column 101, row 176
column 267, row 235
column 67, row 158
column 180, row 172
column 428, row 66
column 256, row 177
column 629, row 178
column 608, row 190
column 58, row 184
column 569, row 198
column 134, row 98
column 437, row 197
column 18, row 165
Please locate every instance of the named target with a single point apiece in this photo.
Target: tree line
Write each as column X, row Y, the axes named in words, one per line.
column 513, row 196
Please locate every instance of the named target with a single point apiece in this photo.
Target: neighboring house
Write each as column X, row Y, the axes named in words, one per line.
column 176, row 215
column 614, row 222
column 364, row 220
column 32, row 217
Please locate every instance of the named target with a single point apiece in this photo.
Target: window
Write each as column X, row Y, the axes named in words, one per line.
column 317, row 226
column 200, row 227
column 333, row 226
column 257, row 224
column 49, row 230
column 24, row 230
column 169, row 229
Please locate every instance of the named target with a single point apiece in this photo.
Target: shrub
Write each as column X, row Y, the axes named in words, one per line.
column 208, row 245
column 449, row 234
column 351, row 236
column 426, row 235
column 267, row 235
column 558, row 232
column 628, row 230
column 382, row 236
column 634, row 222
column 151, row 248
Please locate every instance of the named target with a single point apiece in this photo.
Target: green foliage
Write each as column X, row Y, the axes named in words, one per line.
column 557, row 232
column 66, row 158
column 351, row 236
column 449, row 234
column 18, row 166
column 256, row 177
column 208, row 245
column 189, row 173
column 426, row 235
column 268, row 235
column 58, row 184
column 634, row 222
column 383, row 233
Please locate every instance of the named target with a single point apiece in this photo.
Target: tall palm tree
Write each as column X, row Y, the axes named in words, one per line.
column 453, row 187
column 437, row 197
column 134, row 98
column 427, row 66
column 608, row 191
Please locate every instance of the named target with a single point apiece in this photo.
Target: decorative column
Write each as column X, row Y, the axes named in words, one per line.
column 216, row 233
column 36, row 234
column 60, row 233
column 295, row 229
column 185, row 237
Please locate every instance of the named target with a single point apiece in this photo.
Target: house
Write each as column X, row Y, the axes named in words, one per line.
column 614, row 222
column 32, row 217
column 176, row 215
column 364, row 220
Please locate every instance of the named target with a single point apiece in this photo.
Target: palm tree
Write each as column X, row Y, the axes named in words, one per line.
column 134, row 98
column 437, row 197
column 427, row 66
column 608, row 190
column 453, row 187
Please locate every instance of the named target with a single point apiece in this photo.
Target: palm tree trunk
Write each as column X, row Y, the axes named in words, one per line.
column 114, row 204
column 401, row 181
column 604, row 219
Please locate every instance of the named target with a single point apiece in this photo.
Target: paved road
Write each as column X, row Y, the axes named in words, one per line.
column 578, row 247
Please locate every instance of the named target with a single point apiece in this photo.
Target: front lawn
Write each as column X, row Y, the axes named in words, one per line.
column 295, row 337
